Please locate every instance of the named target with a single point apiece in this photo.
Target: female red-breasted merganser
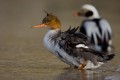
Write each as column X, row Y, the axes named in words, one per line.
column 70, row 47
column 97, row 29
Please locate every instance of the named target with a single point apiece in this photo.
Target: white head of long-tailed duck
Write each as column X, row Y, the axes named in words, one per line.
column 96, row 28
column 70, row 47
column 88, row 11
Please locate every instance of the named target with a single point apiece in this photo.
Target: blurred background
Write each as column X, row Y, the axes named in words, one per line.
column 22, row 54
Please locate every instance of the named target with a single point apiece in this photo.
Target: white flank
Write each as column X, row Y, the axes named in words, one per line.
column 49, row 44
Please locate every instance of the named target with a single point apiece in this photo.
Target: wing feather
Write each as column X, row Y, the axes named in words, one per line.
column 106, row 30
column 99, row 33
column 77, row 45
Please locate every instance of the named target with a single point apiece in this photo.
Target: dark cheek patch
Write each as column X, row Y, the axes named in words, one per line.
column 89, row 13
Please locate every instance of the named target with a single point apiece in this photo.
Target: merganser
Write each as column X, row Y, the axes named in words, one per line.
column 70, row 47
column 96, row 28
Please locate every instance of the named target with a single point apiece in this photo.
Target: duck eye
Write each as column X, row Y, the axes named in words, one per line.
column 46, row 22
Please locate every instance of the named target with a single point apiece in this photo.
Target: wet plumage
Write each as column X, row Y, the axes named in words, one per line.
column 70, row 47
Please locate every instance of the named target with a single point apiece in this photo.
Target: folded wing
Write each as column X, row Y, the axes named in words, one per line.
column 78, row 46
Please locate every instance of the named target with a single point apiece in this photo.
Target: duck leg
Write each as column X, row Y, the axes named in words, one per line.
column 83, row 65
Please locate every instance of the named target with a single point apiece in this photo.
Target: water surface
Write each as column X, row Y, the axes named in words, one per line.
column 22, row 54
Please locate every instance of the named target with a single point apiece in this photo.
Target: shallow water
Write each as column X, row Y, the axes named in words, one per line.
column 22, row 54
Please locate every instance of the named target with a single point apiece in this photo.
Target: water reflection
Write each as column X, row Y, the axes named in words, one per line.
column 71, row 74
column 115, row 77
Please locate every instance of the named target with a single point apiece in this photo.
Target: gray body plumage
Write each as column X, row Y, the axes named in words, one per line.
column 74, row 51
column 51, row 42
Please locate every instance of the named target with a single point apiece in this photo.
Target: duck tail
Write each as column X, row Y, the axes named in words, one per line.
column 110, row 57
